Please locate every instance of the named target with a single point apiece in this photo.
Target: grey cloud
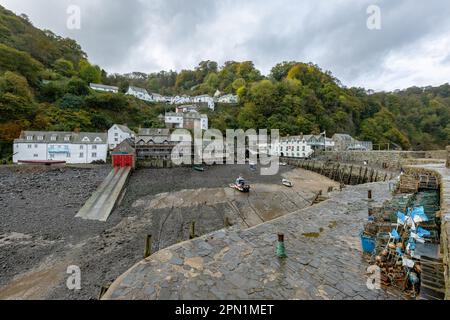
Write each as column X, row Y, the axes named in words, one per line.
column 150, row 35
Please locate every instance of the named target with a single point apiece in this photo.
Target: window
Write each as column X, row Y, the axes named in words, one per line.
column 81, row 147
column 40, row 138
column 35, row 155
column 29, row 137
column 304, row 148
column 52, row 155
column 94, row 147
column 35, row 146
column 116, row 134
column 67, row 138
column 30, row 146
column 94, row 155
column 81, row 155
column 53, row 138
column 116, row 139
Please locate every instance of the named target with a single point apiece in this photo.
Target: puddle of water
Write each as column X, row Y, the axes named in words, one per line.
column 311, row 235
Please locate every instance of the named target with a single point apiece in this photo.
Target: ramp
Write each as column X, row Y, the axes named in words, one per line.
column 102, row 202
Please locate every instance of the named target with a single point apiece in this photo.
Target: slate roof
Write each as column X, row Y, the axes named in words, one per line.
column 137, row 89
column 154, row 132
column 60, row 136
column 125, row 128
column 102, row 86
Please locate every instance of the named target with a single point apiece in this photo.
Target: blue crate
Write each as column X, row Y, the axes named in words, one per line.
column 367, row 243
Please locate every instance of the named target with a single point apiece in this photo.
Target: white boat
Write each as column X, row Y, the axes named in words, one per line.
column 287, row 183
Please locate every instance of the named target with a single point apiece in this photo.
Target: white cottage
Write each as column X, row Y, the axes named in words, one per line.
column 205, row 99
column 117, row 134
column 156, row 97
column 140, row 93
column 292, row 147
column 71, row 147
column 228, row 99
column 186, row 120
column 103, row 88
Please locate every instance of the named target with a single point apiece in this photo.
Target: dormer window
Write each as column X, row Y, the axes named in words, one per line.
column 40, row 138
column 98, row 139
column 53, row 138
column 29, row 137
column 67, row 138
column 86, row 139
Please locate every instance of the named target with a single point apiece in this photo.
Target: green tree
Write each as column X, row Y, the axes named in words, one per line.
column 78, row 87
column 90, row 73
column 64, row 67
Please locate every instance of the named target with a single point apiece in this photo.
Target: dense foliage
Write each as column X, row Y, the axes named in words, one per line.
column 44, row 85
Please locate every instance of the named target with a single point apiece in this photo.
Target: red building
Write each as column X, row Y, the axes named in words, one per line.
column 124, row 155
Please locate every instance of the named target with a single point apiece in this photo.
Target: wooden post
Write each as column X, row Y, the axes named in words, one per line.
column 192, row 232
column 350, row 175
column 365, row 175
column 148, row 246
column 359, row 176
column 341, row 178
column 372, row 172
column 335, row 177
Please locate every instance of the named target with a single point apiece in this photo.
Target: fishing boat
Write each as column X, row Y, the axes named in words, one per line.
column 199, row 168
column 240, row 185
column 287, row 183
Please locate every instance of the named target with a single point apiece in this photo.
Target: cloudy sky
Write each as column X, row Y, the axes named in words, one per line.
column 411, row 48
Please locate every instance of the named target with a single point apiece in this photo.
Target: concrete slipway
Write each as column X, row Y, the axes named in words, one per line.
column 102, row 202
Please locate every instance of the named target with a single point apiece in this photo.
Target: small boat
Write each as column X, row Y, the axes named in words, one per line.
column 283, row 164
column 240, row 185
column 287, row 183
column 199, row 168
column 241, row 188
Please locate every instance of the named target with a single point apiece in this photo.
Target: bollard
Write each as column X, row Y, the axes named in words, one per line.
column 148, row 246
column 192, row 232
column 281, row 249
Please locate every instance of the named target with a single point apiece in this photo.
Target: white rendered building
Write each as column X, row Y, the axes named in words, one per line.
column 140, row 93
column 117, row 134
column 292, row 147
column 103, row 88
column 71, row 147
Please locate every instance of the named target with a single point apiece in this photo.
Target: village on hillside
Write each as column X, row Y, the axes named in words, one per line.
column 144, row 95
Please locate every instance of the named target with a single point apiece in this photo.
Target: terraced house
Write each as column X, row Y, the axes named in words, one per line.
column 69, row 147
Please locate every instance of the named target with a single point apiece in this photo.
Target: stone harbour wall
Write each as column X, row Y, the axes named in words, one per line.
column 443, row 174
column 324, row 259
column 383, row 159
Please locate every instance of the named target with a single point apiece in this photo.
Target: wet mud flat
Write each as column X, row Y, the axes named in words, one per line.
column 40, row 236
